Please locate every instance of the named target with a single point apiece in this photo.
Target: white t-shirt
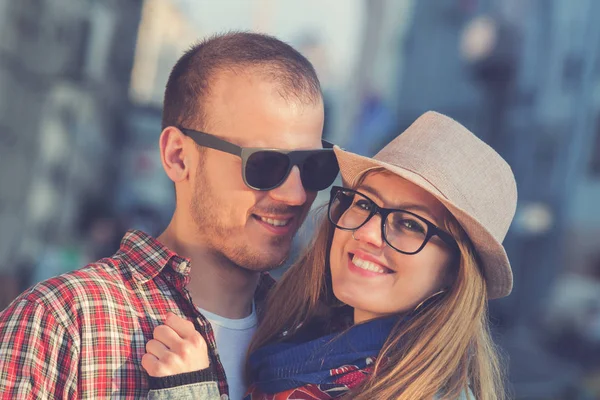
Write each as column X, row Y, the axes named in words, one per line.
column 233, row 338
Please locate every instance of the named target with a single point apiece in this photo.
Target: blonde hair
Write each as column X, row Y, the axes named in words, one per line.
column 445, row 349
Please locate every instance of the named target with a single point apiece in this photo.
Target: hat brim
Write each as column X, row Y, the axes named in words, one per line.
column 495, row 264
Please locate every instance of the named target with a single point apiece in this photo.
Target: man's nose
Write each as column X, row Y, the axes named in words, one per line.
column 291, row 191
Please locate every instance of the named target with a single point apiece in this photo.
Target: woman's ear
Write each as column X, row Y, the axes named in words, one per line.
column 173, row 154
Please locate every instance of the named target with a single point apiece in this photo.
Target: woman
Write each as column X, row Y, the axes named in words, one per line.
column 390, row 300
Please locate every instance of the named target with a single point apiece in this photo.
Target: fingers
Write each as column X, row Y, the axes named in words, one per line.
column 167, row 336
column 157, row 349
column 175, row 348
column 181, row 326
column 153, row 366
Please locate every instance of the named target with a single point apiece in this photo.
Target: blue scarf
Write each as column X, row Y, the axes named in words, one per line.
column 282, row 366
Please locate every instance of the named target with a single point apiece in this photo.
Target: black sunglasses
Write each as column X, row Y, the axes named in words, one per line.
column 266, row 169
column 402, row 230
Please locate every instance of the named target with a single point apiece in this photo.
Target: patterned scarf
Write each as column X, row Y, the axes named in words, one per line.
column 323, row 368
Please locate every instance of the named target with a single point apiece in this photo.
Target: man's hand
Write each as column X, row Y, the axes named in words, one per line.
column 176, row 348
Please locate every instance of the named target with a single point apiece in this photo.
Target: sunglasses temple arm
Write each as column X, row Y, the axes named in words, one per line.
column 213, row 142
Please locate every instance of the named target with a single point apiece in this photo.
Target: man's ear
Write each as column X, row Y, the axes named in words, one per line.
column 173, row 154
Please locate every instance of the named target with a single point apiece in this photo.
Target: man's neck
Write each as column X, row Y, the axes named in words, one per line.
column 216, row 284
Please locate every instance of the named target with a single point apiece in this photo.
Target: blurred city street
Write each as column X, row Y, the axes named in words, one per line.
column 81, row 88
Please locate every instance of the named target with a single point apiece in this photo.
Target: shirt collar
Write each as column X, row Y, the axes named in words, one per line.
column 147, row 257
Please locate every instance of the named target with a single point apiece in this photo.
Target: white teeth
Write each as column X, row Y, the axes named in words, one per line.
column 275, row 222
column 367, row 265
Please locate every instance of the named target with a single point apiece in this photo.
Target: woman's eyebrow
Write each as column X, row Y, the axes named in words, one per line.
column 402, row 206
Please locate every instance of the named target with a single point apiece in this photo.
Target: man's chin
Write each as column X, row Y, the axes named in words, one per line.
column 262, row 261
column 268, row 264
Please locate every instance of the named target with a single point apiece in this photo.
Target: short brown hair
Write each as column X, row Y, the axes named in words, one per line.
column 189, row 80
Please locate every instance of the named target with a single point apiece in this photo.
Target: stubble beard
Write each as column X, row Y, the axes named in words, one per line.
column 229, row 243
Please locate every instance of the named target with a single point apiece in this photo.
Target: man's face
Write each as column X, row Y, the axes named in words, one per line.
column 254, row 229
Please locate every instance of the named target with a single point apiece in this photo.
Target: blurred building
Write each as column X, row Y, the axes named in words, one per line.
column 328, row 33
column 64, row 74
column 145, row 196
column 165, row 32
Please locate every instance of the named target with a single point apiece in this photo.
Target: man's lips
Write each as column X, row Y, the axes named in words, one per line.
column 279, row 220
column 277, row 224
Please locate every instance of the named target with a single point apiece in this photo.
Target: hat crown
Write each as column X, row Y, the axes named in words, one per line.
column 461, row 166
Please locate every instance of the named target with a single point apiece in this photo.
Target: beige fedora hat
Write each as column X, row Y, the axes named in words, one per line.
column 466, row 175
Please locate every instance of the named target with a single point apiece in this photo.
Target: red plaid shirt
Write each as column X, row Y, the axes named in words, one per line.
column 83, row 334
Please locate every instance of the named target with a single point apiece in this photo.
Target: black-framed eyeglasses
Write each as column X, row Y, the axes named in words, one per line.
column 402, row 230
column 266, row 169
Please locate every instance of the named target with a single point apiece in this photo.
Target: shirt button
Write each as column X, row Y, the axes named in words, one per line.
column 224, row 397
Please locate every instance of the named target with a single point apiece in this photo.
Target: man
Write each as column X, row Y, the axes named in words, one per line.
column 83, row 334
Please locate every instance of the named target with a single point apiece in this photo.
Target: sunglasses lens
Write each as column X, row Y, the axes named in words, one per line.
column 266, row 169
column 319, row 170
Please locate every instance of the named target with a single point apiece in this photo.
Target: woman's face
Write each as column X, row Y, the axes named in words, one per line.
column 374, row 278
